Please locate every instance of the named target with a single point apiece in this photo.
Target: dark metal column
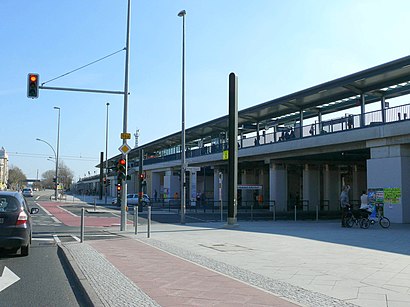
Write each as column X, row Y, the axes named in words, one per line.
column 233, row 149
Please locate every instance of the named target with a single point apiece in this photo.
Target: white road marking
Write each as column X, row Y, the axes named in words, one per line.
column 57, row 239
column 67, row 211
column 7, row 279
column 44, row 209
column 76, row 238
column 49, row 214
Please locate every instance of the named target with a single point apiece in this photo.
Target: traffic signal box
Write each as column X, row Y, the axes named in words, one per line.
column 121, row 169
column 33, row 82
column 120, row 177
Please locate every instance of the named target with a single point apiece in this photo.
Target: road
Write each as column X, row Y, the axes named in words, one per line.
column 42, row 278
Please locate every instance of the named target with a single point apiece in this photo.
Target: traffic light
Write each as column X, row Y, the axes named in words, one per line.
column 108, row 181
column 141, row 177
column 119, row 188
column 33, row 81
column 121, row 169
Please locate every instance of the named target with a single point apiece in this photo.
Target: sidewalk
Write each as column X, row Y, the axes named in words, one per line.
column 254, row 264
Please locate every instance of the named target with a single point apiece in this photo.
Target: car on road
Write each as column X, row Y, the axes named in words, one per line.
column 132, row 199
column 15, row 222
column 27, row 192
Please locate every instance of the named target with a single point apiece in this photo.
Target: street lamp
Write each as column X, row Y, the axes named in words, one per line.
column 55, row 157
column 183, row 166
column 58, row 146
column 106, row 155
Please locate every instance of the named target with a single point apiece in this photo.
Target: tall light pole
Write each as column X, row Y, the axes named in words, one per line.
column 58, row 148
column 183, row 163
column 106, row 155
column 123, row 224
column 55, row 157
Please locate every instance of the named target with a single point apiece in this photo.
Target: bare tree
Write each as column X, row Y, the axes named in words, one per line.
column 16, row 178
column 65, row 177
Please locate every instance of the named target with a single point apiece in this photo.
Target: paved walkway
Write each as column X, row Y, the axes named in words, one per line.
column 255, row 264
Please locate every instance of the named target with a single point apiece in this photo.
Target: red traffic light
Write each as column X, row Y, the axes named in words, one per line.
column 118, row 187
column 121, row 162
column 33, row 86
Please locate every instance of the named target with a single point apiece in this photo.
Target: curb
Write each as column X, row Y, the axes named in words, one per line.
column 89, row 294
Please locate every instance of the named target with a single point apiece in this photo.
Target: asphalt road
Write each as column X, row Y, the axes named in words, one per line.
column 43, row 277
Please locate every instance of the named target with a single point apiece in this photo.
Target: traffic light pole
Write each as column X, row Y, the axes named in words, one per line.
column 123, row 226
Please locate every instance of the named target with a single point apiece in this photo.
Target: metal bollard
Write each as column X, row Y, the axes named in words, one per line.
column 94, row 203
column 136, row 219
column 82, row 226
column 274, row 212
column 149, row 223
column 317, row 213
column 295, row 213
column 222, row 214
column 251, row 212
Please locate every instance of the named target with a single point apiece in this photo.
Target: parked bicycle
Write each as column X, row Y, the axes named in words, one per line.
column 356, row 218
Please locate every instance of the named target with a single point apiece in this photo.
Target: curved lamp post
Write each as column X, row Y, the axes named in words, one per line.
column 55, row 157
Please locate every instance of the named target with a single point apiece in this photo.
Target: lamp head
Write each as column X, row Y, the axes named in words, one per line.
column 182, row 13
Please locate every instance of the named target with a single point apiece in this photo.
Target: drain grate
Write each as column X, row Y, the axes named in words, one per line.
column 227, row 247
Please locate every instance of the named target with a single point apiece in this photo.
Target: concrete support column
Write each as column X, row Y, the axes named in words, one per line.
column 171, row 185
column 155, row 184
column 389, row 167
column 278, row 184
column 311, row 187
column 358, row 182
column 331, row 187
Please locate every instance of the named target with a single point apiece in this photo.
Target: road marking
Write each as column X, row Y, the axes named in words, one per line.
column 57, row 239
column 67, row 211
column 44, row 209
column 8, row 278
column 76, row 238
column 49, row 214
column 42, row 239
column 37, row 197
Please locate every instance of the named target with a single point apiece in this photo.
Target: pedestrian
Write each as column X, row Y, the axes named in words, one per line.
column 155, row 195
column 365, row 208
column 344, row 203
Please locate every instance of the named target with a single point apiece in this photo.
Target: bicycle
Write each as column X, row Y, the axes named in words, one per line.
column 383, row 221
column 356, row 218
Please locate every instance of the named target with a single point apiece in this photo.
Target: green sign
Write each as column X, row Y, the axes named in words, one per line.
column 392, row 195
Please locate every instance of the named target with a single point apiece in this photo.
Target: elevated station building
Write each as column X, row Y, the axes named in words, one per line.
column 297, row 151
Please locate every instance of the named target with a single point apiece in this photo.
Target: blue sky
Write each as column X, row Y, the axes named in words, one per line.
column 275, row 48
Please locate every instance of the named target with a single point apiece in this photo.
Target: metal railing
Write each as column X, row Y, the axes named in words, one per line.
column 348, row 122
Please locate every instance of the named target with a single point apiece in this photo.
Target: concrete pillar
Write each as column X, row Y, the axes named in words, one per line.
column 389, row 167
column 278, row 184
column 331, row 187
column 156, row 185
column 359, row 182
column 171, row 185
column 311, row 186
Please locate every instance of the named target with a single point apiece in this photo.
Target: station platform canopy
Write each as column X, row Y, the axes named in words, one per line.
column 387, row 80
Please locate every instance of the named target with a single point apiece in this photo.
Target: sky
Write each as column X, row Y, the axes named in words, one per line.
column 275, row 48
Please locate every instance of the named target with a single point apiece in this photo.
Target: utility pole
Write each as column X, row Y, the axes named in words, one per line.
column 127, row 64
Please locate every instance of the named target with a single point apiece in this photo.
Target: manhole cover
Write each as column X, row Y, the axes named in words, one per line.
column 227, row 247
